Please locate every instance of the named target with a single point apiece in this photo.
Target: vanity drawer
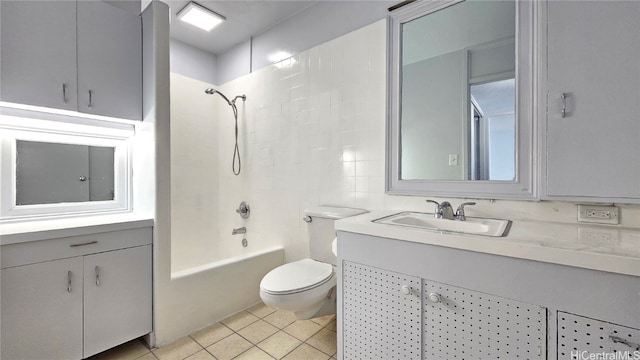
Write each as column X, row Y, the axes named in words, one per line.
column 59, row 248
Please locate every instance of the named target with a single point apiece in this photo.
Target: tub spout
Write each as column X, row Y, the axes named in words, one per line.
column 242, row 230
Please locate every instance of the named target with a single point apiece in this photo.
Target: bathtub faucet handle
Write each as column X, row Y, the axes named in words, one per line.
column 243, row 210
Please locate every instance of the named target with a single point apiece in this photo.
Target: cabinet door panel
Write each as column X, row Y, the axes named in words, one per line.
column 109, row 61
column 380, row 321
column 117, row 297
column 594, row 150
column 38, row 40
column 41, row 318
column 472, row 325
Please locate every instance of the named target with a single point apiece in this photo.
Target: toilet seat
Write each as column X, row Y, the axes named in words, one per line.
column 296, row 277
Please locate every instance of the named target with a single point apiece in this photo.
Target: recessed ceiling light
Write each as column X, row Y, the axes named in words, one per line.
column 200, row 16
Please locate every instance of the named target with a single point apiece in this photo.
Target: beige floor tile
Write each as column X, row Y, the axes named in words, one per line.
column 201, row 355
column 148, row 356
column 254, row 354
column 325, row 320
column 261, row 310
column 325, row 340
column 238, row 321
column 306, row 352
column 303, row 329
column 280, row 318
column 211, row 334
column 229, row 347
column 258, row 331
column 279, row 344
column 332, row 326
column 178, row 349
column 128, row 351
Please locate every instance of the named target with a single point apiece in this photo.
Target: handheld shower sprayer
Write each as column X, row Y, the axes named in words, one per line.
column 232, row 103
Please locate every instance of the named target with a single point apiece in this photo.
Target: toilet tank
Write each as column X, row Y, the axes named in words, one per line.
column 322, row 231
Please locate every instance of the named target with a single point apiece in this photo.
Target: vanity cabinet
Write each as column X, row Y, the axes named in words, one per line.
column 71, row 298
column 390, row 315
column 396, row 296
column 592, row 152
column 84, row 56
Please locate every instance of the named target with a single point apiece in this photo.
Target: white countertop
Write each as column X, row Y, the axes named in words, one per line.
column 605, row 248
column 13, row 233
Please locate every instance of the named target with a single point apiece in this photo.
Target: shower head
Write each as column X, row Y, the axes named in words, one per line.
column 210, row 91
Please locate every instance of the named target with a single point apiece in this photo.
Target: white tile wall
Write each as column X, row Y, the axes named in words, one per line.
column 194, row 174
column 312, row 131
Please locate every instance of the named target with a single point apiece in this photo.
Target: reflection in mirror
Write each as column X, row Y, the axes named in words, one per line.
column 50, row 173
column 457, row 106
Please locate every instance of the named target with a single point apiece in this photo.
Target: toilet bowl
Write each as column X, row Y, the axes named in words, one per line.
column 303, row 287
column 308, row 287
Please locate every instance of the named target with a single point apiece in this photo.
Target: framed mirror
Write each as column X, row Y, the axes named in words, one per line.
column 460, row 109
column 52, row 168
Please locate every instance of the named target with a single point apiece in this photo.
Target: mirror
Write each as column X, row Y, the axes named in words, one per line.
column 456, row 126
column 50, row 173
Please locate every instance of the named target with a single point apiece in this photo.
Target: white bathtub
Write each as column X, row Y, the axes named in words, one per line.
column 203, row 295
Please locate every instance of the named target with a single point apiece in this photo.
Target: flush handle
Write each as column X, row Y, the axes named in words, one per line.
column 307, row 219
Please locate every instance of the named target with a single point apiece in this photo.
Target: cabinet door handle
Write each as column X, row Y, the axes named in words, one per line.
column 563, row 112
column 64, row 93
column 97, row 276
column 90, row 99
column 619, row 340
column 84, row 244
column 68, row 281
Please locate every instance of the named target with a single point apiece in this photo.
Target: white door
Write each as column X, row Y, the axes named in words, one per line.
column 593, row 52
column 42, row 311
column 38, row 40
column 117, row 297
column 109, row 61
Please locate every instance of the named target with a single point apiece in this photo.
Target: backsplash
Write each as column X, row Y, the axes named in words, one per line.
column 312, row 131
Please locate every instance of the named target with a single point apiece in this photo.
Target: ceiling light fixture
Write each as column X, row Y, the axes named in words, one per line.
column 200, row 16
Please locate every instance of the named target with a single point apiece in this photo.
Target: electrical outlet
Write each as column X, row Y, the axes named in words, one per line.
column 599, row 214
column 598, row 237
column 453, row 159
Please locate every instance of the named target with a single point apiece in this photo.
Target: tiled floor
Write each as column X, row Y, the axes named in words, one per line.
column 255, row 334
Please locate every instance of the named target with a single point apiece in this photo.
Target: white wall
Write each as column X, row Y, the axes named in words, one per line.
column 194, row 174
column 314, row 133
column 192, row 62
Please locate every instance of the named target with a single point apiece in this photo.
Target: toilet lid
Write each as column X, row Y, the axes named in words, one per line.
column 296, row 276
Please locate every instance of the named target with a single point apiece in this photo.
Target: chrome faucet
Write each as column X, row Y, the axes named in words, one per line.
column 443, row 210
column 242, row 230
column 460, row 211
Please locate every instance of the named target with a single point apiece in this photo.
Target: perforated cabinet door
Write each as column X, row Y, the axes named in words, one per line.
column 381, row 314
column 579, row 336
column 466, row 324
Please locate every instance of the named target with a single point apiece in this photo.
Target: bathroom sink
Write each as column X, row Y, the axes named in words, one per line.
column 472, row 225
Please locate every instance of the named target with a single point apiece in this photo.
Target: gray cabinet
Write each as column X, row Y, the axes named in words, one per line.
column 592, row 150
column 117, row 297
column 582, row 335
column 467, row 324
column 382, row 315
column 71, row 298
column 109, row 61
column 391, row 315
column 84, row 56
column 42, row 311
column 38, row 53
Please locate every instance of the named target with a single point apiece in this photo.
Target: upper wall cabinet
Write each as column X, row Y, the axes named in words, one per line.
column 38, row 40
column 84, row 56
column 591, row 147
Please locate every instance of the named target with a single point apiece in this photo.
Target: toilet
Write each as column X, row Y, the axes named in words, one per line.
column 308, row 287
